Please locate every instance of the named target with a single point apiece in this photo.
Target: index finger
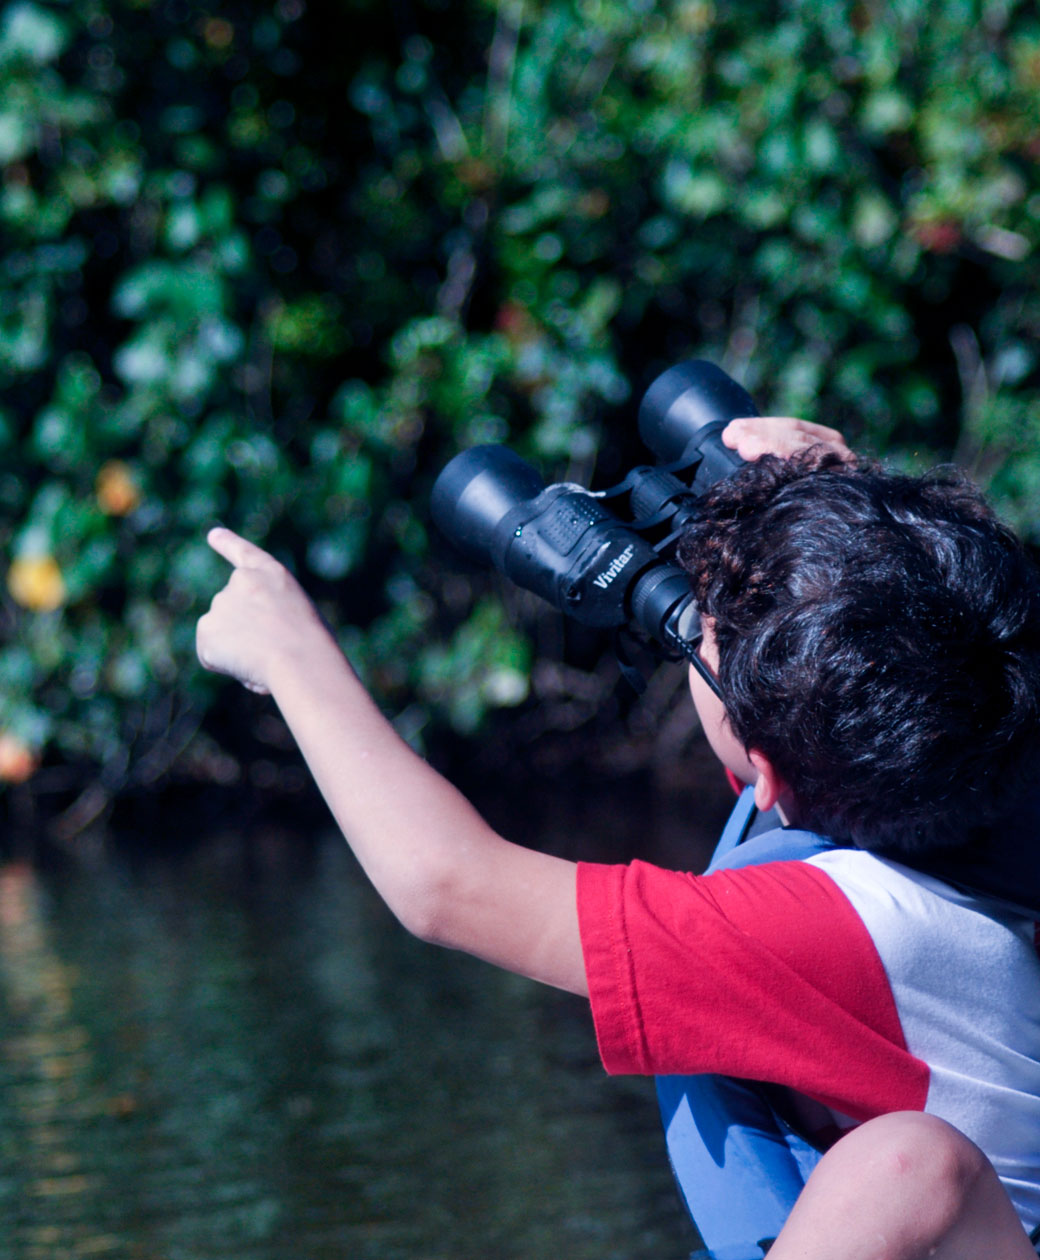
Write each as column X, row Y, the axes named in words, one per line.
column 237, row 550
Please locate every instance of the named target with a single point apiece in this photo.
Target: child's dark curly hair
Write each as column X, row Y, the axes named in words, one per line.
column 879, row 642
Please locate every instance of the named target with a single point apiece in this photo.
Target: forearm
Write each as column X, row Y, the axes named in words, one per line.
column 394, row 810
column 442, row 870
column 448, row 876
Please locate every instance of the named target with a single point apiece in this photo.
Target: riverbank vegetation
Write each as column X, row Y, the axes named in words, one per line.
column 272, row 264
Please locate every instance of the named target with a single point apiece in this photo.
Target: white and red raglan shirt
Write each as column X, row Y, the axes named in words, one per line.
column 848, row 978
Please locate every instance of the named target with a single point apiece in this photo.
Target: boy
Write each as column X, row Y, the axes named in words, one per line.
column 876, row 646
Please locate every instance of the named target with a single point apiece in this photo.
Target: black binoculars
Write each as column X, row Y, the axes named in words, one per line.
column 603, row 557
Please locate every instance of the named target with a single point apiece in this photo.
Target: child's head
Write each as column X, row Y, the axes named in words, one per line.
column 879, row 643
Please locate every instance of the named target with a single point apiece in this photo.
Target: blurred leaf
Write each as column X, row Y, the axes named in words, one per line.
column 275, row 271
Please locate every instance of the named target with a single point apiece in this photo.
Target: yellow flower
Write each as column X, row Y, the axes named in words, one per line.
column 36, row 583
column 117, row 490
column 18, row 762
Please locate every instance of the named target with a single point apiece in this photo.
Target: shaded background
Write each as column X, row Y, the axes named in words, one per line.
column 273, row 264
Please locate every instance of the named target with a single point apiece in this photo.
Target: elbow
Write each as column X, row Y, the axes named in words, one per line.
column 427, row 907
column 420, row 917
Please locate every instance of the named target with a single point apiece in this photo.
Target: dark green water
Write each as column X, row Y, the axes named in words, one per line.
column 236, row 1052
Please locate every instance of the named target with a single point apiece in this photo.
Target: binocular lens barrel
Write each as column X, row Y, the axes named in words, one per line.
column 475, row 491
column 686, row 400
column 567, row 545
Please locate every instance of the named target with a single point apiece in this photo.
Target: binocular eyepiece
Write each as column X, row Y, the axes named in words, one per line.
column 606, row 568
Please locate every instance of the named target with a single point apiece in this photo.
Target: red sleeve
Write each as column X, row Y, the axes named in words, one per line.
column 764, row 972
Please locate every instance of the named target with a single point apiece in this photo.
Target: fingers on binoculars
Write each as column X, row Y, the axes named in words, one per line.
column 779, row 435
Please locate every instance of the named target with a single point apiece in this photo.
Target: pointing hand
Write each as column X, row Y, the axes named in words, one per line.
column 260, row 616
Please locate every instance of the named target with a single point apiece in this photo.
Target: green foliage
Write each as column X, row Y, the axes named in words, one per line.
column 272, row 266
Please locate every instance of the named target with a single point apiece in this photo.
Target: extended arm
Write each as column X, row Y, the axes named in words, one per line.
column 442, row 870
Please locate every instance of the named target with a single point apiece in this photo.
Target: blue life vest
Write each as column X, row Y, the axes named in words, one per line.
column 739, row 1165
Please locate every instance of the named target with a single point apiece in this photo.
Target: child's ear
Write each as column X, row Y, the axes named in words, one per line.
column 769, row 787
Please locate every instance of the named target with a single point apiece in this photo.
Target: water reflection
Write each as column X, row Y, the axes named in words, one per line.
column 48, row 1107
column 236, row 1052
